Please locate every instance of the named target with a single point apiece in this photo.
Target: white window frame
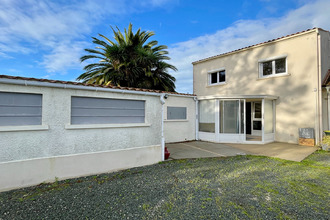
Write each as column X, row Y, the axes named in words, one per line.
column 272, row 59
column 209, row 75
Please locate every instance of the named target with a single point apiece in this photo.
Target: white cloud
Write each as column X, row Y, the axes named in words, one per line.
column 244, row 33
column 57, row 30
column 63, row 57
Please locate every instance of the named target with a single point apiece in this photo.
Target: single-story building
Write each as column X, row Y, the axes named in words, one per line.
column 56, row 129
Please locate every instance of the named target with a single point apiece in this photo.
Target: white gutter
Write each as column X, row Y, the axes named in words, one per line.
column 162, row 140
column 197, row 113
column 90, row 88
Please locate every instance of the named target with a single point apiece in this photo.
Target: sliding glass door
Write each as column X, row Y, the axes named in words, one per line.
column 228, row 120
column 231, row 120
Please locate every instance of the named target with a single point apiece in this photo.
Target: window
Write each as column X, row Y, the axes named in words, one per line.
column 229, row 116
column 176, row 113
column 86, row 110
column 273, row 67
column 207, row 116
column 218, row 77
column 19, row 109
column 257, row 110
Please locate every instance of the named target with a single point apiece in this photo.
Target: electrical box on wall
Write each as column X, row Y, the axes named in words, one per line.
column 306, row 136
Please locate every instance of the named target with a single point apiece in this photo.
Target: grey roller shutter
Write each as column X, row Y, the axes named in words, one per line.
column 176, row 113
column 86, row 110
column 20, row 109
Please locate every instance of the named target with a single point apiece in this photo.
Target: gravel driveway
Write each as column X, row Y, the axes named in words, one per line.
column 242, row 187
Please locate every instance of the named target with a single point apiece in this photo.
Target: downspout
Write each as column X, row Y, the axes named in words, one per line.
column 328, row 100
column 196, row 122
column 162, row 140
column 319, row 89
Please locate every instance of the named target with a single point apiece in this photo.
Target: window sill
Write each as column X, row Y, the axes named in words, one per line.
column 25, row 128
column 100, row 126
column 216, row 84
column 176, row 120
column 274, row 76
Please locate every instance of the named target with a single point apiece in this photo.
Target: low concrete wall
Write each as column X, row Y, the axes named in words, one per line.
column 31, row 172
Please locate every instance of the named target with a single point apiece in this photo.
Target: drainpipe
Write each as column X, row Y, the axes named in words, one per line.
column 328, row 94
column 319, row 89
column 162, row 140
column 196, row 122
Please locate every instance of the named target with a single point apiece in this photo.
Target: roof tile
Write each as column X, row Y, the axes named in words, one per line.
column 94, row 85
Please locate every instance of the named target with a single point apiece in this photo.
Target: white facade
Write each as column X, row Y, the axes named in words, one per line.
column 33, row 154
column 177, row 130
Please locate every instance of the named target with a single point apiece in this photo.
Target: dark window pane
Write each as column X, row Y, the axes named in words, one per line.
column 280, row 66
column 267, row 68
column 257, row 110
column 214, row 77
column 222, row 76
column 256, row 125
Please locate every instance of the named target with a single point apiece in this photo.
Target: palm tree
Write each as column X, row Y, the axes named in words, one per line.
column 129, row 61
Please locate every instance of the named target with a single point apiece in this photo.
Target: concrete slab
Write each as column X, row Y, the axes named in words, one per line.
column 199, row 149
column 280, row 150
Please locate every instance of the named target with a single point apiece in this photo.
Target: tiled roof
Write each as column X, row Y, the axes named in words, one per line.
column 90, row 85
column 290, row 35
column 326, row 80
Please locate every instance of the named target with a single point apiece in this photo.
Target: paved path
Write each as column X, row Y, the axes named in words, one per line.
column 199, row 149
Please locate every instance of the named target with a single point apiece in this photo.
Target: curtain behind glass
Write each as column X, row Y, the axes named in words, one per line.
column 207, row 116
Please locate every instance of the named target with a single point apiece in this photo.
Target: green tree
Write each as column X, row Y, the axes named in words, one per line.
column 129, row 61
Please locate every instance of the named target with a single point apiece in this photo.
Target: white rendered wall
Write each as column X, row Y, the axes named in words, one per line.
column 180, row 130
column 62, row 139
column 296, row 106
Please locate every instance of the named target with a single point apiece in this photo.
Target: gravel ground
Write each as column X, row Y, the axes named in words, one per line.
column 241, row 187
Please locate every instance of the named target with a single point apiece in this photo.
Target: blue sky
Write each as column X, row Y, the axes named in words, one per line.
column 45, row 39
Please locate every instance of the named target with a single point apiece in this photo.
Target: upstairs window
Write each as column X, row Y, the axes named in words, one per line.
column 217, row 77
column 272, row 67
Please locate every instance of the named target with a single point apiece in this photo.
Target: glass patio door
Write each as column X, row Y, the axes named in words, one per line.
column 268, row 120
column 231, row 120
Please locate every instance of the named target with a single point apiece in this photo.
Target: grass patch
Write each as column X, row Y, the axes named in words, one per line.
column 241, row 187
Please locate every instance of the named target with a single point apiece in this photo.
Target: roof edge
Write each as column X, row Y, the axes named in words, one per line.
column 260, row 44
column 6, row 79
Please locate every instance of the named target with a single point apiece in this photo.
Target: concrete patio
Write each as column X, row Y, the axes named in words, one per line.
column 199, row 149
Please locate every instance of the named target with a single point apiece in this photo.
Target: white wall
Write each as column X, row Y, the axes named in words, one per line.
column 180, row 130
column 297, row 91
column 57, row 138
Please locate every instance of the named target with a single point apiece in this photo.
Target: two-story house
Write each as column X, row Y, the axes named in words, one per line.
column 265, row 92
